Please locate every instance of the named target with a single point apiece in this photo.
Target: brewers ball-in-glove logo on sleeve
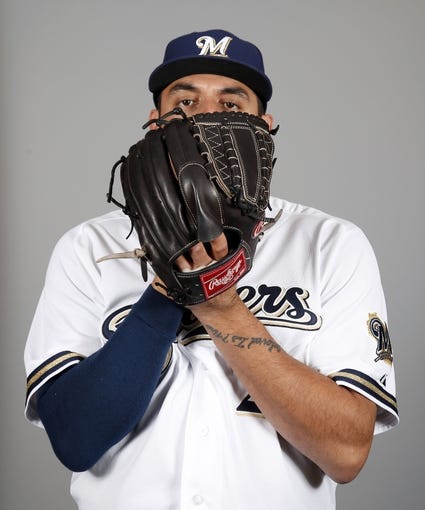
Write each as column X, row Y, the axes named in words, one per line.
column 190, row 181
column 379, row 330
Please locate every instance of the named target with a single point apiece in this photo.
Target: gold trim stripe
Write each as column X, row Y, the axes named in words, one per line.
column 196, row 338
column 51, row 365
column 167, row 361
column 364, row 382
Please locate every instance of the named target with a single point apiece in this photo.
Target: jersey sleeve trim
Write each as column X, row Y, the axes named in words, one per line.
column 367, row 386
column 167, row 363
column 52, row 366
column 194, row 335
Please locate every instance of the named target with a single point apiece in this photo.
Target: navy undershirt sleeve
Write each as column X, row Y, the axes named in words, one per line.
column 94, row 404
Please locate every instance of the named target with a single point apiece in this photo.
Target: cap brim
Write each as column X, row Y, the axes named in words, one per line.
column 165, row 74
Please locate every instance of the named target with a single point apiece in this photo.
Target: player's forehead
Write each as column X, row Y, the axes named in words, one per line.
column 209, row 84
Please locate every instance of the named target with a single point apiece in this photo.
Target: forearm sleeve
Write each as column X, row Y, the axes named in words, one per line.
column 94, row 404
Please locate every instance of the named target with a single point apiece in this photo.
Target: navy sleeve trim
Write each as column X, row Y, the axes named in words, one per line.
column 367, row 385
column 52, row 366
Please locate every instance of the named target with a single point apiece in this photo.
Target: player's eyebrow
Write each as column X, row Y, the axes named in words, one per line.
column 183, row 86
column 189, row 87
column 235, row 91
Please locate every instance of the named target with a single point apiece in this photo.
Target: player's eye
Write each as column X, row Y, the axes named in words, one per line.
column 186, row 102
column 230, row 105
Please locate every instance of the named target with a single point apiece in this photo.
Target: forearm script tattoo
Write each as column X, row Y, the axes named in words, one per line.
column 243, row 342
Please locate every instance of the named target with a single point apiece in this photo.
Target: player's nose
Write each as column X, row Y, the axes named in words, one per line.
column 208, row 105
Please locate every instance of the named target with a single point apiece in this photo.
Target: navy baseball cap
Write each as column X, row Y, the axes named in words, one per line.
column 212, row 52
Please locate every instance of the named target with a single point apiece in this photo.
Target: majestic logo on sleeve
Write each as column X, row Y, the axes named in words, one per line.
column 379, row 330
column 210, row 48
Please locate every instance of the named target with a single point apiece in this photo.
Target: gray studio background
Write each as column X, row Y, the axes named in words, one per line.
column 349, row 84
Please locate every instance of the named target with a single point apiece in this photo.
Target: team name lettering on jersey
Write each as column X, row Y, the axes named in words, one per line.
column 111, row 323
column 278, row 306
column 272, row 305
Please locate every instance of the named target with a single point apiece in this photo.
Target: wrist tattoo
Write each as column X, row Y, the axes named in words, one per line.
column 243, row 342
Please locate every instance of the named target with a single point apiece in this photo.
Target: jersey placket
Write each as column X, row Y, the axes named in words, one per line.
column 200, row 484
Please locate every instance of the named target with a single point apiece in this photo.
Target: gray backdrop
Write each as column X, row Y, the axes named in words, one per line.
column 349, row 85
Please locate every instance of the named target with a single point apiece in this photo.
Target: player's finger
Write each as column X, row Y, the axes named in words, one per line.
column 199, row 255
column 219, row 247
column 183, row 264
column 196, row 258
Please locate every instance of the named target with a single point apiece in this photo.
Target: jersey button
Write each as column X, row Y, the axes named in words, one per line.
column 197, row 499
column 204, row 431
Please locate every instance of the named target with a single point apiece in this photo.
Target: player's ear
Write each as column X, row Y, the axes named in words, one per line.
column 269, row 119
column 153, row 115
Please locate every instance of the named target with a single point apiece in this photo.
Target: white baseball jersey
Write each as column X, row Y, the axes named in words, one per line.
column 202, row 442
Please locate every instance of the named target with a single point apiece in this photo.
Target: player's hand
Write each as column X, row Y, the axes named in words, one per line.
column 198, row 256
column 202, row 255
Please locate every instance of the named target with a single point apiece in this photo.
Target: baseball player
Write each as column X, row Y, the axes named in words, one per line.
column 265, row 396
